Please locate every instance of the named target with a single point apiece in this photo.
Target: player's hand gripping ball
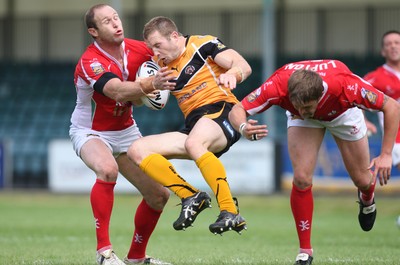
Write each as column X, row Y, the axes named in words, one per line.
column 161, row 97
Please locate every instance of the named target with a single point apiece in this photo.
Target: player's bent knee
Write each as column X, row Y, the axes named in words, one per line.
column 192, row 144
column 362, row 183
column 164, row 197
column 107, row 173
column 362, row 179
column 133, row 154
column 159, row 199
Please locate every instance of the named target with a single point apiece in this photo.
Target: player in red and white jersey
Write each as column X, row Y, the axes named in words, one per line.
column 386, row 78
column 94, row 110
column 102, row 129
column 341, row 90
column 322, row 95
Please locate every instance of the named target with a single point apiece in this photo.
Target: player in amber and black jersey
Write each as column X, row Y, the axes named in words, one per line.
column 204, row 72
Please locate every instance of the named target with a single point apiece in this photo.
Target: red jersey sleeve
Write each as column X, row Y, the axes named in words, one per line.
column 386, row 80
column 91, row 67
column 271, row 92
column 361, row 93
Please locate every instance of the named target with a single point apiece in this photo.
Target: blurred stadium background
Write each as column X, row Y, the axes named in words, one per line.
column 41, row 41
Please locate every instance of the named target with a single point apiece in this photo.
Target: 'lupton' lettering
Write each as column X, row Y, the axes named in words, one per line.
column 313, row 66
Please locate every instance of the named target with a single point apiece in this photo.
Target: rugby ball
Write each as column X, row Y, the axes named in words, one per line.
column 158, row 102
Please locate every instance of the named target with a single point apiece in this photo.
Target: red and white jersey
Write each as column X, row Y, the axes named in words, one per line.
column 387, row 80
column 94, row 110
column 342, row 90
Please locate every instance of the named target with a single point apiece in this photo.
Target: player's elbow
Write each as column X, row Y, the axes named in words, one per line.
column 396, row 108
column 247, row 71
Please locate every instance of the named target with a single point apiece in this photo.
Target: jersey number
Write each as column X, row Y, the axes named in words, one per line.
column 119, row 110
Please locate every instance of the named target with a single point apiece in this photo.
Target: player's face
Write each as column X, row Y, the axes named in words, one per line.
column 165, row 48
column 307, row 109
column 391, row 47
column 109, row 26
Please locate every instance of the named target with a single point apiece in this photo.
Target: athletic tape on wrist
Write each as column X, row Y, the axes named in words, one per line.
column 241, row 127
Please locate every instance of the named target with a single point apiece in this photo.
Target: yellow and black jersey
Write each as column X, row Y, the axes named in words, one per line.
column 197, row 73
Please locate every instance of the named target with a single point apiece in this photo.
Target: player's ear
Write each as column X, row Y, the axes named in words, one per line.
column 174, row 34
column 93, row 32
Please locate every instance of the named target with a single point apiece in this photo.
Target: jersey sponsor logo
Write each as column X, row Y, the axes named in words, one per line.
column 97, row 68
column 369, row 95
column 191, row 93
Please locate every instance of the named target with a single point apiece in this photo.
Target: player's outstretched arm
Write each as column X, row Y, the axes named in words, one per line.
column 250, row 129
column 123, row 91
column 382, row 164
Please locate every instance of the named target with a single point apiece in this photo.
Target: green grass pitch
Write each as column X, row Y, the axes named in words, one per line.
column 44, row 228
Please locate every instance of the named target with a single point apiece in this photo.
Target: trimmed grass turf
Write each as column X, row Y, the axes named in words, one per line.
column 44, row 228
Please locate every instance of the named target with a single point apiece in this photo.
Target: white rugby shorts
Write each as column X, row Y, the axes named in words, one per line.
column 117, row 141
column 349, row 126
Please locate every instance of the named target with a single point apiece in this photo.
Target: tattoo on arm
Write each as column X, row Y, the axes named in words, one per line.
column 385, row 99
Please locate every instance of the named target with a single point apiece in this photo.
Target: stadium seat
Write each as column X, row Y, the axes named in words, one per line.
column 36, row 102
